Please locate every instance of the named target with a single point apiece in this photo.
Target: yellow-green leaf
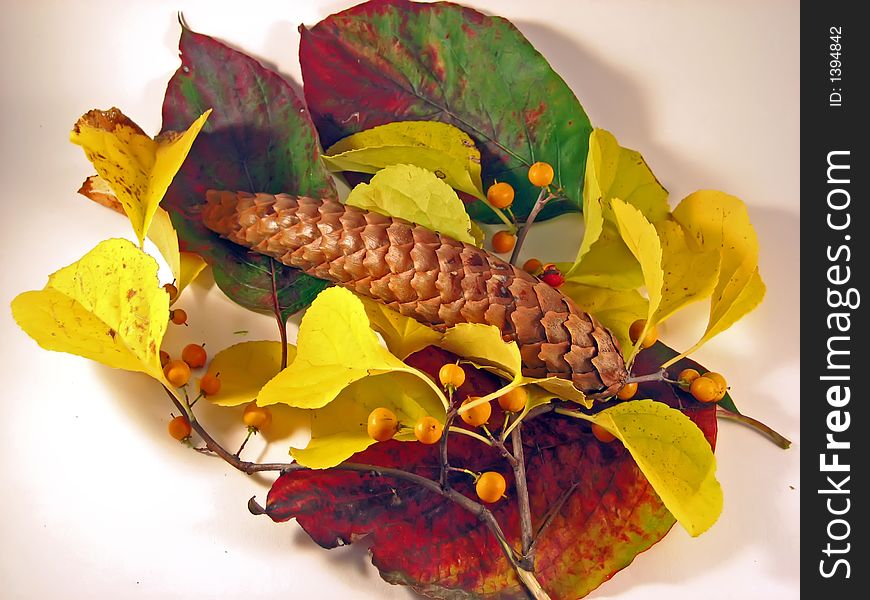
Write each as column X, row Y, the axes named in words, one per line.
column 674, row 456
column 338, row 430
column 719, row 222
column 108, row 307
column 335, row 347
column 438, row 147
column 244, row 369
column 616, row 309
column 416, row 195
column 138, row 169
column 402, row 335
column 690, row 275
column 642, row 239
column 185, row 266
column 609, row 263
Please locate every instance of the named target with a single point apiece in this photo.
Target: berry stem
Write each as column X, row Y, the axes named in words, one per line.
column 245, row 441
column 523, row 230
column 776, row 437
column 657, row 376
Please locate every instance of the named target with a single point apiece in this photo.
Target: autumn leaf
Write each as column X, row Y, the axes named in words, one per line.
column 137, row 168
column 616, row 309
column 416, row 195
column 718, row 222
column 609, row 263
column 381, row 62
column 402, row 335
column 185, row 266
column 438, row 147
column 108, row 307
column 259, row 139
column 642, row 239
column 244, row 368
column 673, row 455
column 608, row 513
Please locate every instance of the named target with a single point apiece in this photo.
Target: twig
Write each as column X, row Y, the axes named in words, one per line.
column 519, row 465
column 245, row 441
column 657, row 376
column 777, row 438
column 543, row 198
column 442, row 449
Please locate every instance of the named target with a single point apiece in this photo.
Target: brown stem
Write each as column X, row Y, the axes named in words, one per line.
column 777, row 438
column 282, row 324
column 442, row 449
column 519, row 465
column 657, row 376
column 523, row 231
column 245, row 442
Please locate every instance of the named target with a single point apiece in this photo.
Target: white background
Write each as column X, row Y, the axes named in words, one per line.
column 99, row 502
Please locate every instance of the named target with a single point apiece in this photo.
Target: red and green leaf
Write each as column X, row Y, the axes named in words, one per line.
column 395, row 60
column 259, row 139
column 605, row 511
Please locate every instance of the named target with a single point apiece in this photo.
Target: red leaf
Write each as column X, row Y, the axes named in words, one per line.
column 421, row 539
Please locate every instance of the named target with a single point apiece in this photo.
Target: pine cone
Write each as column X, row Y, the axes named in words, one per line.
column 427, row 276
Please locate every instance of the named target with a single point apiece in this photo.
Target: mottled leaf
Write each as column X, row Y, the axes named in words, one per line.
column 395, row 60
column 108, row 307
column 689, row 275
column 438, row 147
column 606, row 512
column 416, row 195
column 137, row 168
column 260, row 139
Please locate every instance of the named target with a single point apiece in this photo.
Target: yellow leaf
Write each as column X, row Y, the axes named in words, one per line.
column 616, row 309
column 674, row 456
column 185, row 266
column 690, row 275
column 338, row 430
column 244, row 368
column 108, row 307
column 642, row 239
column 137, row 168
column 335, row 347
column 403, row 335
column 416, row 195
column 438, row 147
column 719, row 222
column 609, row 263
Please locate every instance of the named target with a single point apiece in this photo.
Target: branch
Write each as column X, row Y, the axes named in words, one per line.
column 540, row 203
column 519, row 465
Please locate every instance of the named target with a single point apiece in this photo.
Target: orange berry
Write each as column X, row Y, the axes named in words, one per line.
column 541, row 174
column 721, row 383
column 382, row 424
column 686, row 377
column 428, row 430
column 172, row 291
column 258, row 417
column 514, row 400
column 194, row 355
column 177, row 372
column 627, row 392
column 503, row 241
column 179, row 428
column 478, row 415
column 704, row 389
column 490, row 487
column 210, row 384
column 601, row 434
column 178, row 316
column 500, row 194
column 451, row 375
column 164, row 358
column 636, row 329
column 533, row 266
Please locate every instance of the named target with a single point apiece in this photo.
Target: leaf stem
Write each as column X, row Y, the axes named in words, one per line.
column 543, row 197
column 776, row 437
column 282, row 323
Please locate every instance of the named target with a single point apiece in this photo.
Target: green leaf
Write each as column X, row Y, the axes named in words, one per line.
column 259, row 139
column 674, row 456
column 438, row 147
column 416, row 195
column 444, row 62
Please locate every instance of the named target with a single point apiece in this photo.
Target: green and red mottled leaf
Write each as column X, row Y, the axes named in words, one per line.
column 606, row 513
column 259, row 139
column 394, row 60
